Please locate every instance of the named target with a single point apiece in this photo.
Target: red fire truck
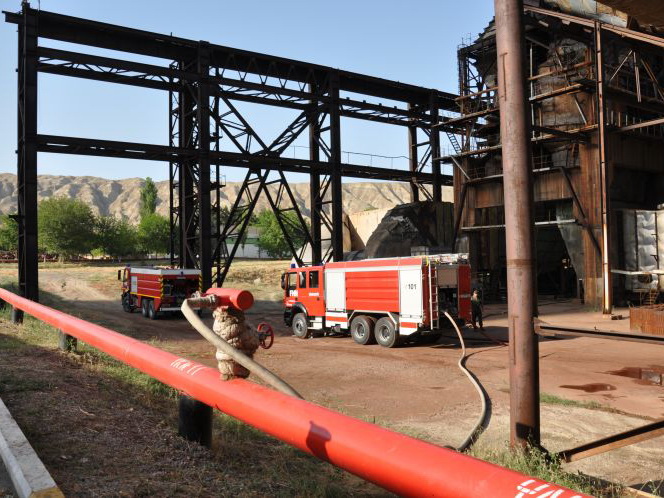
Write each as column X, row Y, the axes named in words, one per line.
column 154, row 290
column 383, row 300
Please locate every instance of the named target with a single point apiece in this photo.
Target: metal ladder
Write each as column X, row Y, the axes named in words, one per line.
column 455, row 143
column 651, row 297
column 433, row 297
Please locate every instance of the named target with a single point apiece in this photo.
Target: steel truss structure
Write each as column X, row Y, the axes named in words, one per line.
column 608, row 81
column 208, row 131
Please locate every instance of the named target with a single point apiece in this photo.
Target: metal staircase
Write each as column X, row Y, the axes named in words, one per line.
column 453, row 140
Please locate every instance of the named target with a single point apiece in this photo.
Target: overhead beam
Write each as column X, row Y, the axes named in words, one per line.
column 109, row 36
column 151, row 152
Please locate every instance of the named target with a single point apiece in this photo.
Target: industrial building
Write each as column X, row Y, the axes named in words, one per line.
column 597, row 106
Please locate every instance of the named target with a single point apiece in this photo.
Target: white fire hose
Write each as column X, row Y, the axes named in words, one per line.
column 479, row 425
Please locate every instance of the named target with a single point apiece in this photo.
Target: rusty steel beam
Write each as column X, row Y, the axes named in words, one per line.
column 582, row 213
column 643, row 124
column 607, row 289
column 633, row 436
column 550, row 330
column 517, row 180
column 621, row 32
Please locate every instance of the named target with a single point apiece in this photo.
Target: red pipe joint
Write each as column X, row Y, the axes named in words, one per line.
column 240, row 300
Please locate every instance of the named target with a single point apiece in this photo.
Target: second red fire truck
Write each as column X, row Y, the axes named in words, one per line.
column 156, row 290
column 378, row 300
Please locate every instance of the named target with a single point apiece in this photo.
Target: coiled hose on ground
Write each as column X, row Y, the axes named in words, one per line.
column 255, row 368
column 480, row 424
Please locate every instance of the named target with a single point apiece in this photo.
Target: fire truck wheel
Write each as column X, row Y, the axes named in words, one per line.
column 386, row 333
column 362, row 330
column 300, row 326
column 126, row 303
column 144, row 307
column 152, row 313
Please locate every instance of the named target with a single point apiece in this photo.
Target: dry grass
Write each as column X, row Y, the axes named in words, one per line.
column 105, row 429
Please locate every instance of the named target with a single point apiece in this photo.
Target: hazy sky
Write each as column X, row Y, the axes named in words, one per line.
column 412, row 41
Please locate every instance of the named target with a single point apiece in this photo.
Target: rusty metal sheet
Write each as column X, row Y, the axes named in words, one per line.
column 647, row 319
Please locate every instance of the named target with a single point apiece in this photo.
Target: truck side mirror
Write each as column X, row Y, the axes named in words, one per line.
column 283, row 281
column 119, row 274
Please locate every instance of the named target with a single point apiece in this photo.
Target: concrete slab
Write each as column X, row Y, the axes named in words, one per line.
column 6, row 488
column 27, row 473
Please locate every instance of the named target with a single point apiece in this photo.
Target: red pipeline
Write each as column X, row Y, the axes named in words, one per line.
column 393, row 461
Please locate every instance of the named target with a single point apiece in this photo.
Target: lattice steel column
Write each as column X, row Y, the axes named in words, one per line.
column 203, row 187
column 335, row 171
column 173, row 172
column 412, row 159
column 27, row 157
column 314, row 186
column 187, row 174
column 435, row 150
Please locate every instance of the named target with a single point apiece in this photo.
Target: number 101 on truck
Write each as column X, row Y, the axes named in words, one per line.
column 388, row 301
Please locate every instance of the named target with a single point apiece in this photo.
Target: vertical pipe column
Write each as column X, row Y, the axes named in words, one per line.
column 335, row 171
column 27, row 158
column 203, row 187
column 517, row 158
column 195, row 420
column 412, row 159
column 66, row 342
column 314, row 183
column 607, row 285
column 435, row 150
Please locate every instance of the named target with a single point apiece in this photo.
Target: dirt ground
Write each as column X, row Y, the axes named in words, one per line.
column 418, row 389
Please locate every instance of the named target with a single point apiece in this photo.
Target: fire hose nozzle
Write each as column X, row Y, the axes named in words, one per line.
column 197, row 301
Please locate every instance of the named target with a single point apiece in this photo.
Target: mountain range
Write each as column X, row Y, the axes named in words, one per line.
column 120, row 198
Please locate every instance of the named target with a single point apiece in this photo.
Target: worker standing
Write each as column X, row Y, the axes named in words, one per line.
column 476, row 309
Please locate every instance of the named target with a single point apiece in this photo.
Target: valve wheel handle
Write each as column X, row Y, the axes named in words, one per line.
column 265, row 335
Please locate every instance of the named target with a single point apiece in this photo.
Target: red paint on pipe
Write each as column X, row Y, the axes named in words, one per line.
column 399, row 463
column 234, row 298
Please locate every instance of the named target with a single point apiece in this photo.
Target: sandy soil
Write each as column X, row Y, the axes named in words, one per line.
column 418, row 389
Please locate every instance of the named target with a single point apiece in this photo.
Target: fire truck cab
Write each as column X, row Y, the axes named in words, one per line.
column 378, row 300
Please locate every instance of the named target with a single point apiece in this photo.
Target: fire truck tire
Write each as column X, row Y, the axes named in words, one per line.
column 144, row 307
column 126, row 303
column 386, row 333
column 300, row 326
column 152, row 313
column 362, row 330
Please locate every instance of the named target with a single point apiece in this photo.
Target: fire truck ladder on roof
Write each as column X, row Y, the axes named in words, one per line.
column 433, row 296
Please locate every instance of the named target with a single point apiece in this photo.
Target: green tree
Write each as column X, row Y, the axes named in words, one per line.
column 271, row 238
column 154, row 233
column 66, row 227
column 114, row 237
column 8, row 233
column 148, row 198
